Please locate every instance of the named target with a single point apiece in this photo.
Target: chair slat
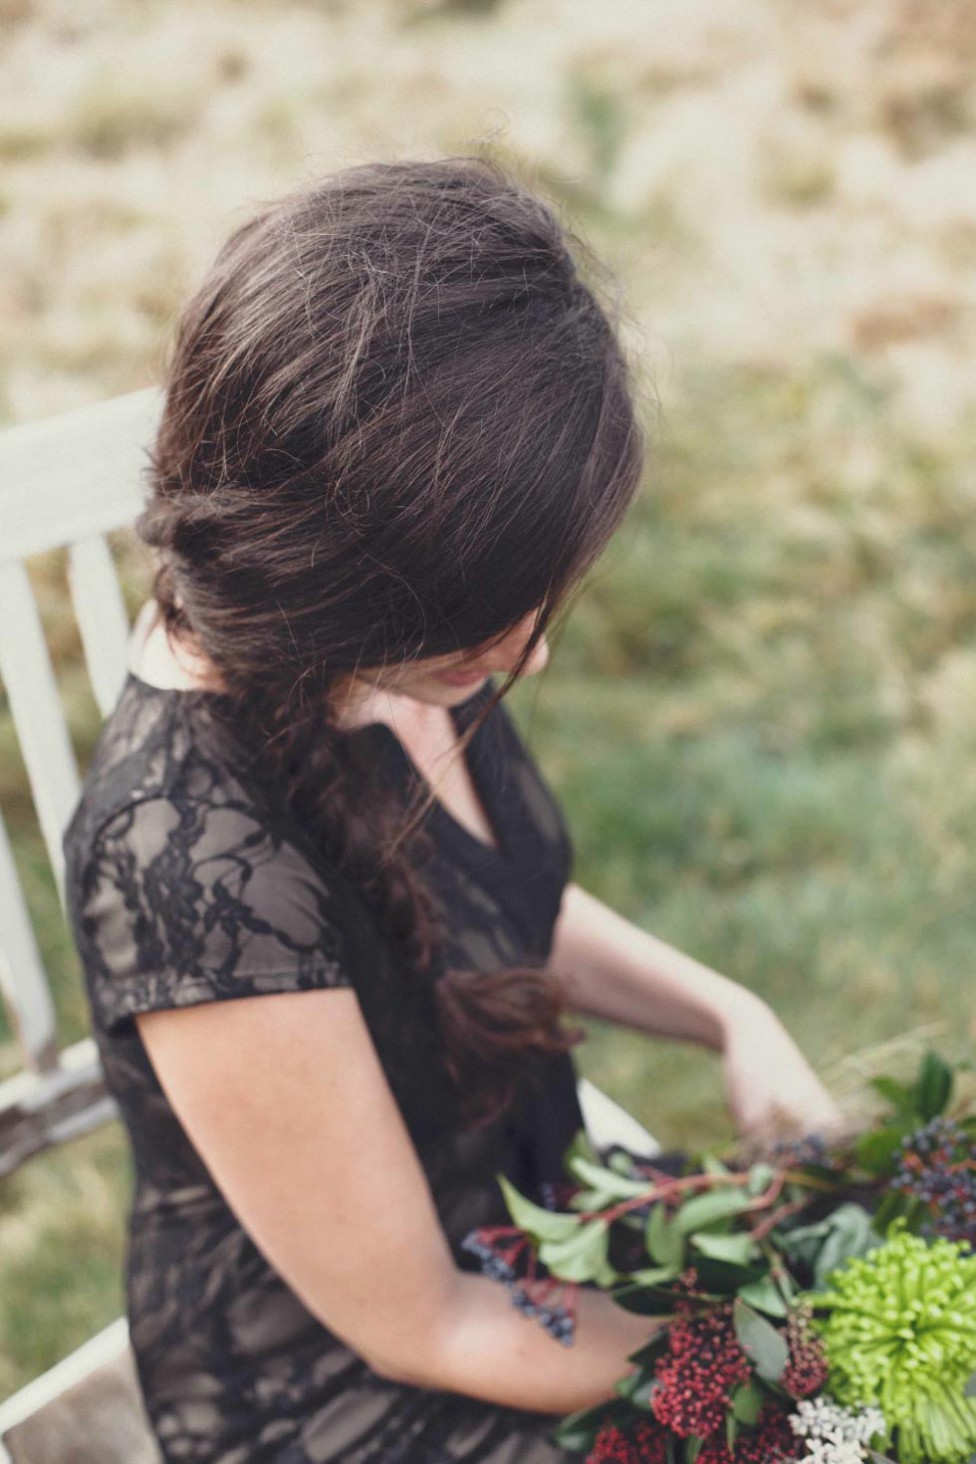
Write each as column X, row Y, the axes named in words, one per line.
column 23, row 980
column 105, row 1347
column 606, row 1123
column 102, row 620
column 77, row 474
column 25, row 667
column 39, row 1110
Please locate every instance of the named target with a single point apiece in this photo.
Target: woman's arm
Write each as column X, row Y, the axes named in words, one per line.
column 286, row 1101
column 615, row 970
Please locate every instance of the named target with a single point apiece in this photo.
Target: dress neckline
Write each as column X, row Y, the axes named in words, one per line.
column 478, row 762
column 476, row 757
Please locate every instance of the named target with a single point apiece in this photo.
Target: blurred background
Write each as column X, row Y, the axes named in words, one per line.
column 761, row 714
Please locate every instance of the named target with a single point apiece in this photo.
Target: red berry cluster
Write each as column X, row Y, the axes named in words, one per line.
column 643, row 1444
column 807, row 1370
column 703, row 1364
column 772, row 1441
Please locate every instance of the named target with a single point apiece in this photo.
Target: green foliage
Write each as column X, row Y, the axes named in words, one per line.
column 763, row 1344
column 733, row 1240
column 543, row 1225
column 61, row 1239
column 703, row 1210
column 912, row 1105
column 845, row 1233
column 581, row 1256
column 767, row 1295
column 665, row 1241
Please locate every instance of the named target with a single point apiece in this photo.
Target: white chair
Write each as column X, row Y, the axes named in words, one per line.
column 67, row 482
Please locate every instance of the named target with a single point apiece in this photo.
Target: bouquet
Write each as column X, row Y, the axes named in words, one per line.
column 820, row 1298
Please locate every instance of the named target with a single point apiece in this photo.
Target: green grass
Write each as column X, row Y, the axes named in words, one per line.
column 760, row 721
column 62, row 1223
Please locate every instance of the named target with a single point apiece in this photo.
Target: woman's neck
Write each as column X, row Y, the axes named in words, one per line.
column 162, row 661
column 158, row 658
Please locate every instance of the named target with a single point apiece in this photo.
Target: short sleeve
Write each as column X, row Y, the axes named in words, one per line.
column 179, row 904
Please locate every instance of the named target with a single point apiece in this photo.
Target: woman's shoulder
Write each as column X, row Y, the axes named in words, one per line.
column 170, row 798
column 156, row 743
column 181, row 885
column 164, row 739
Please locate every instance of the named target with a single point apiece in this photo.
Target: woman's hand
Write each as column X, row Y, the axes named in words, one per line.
column 771, row 1089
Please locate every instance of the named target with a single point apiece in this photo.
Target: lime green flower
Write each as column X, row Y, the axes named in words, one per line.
column 902, row 1334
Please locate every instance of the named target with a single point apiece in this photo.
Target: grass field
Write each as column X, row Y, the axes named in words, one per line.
column 761, row 714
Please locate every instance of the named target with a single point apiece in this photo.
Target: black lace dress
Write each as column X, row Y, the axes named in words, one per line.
column 184, row 887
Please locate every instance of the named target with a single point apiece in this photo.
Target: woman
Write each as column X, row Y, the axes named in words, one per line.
column 319, row 888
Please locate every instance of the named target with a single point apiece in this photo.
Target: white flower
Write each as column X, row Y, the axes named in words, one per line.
column 833, row 1453
column 835, row 1435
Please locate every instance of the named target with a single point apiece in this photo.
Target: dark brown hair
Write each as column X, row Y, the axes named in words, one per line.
column 397, row 421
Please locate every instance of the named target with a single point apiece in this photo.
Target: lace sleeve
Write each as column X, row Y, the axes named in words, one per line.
column 184, row 903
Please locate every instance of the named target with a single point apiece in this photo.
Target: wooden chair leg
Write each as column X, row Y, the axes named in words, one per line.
column 86, row 1410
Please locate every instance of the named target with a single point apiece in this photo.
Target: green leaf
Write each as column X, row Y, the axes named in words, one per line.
column 577, row 1439
column 761, row 1342
column 641, row 1397
column 581, row 1256
column 706, row 1209
column 892, row 1205
column 611, row 1183
column 737, row 1249
column 901, row 1096
column 588, row 1200
column 803, row 1242
column 665, row 1243
column 652, row 1350
column 731, row 1432
column 627, row 1386
column 747, row 1402
column 933, row 1086
column 578, row 1431
column 579, row 1147
column 711, row 1165
column 693, row 1448
column 850, row 1235
column 653, row 1275
column 875, row 1150
column 726, row 1278
column 842, row 1236
column 760, row 1178
column 765, row 1296
column 540, row 1223
column 643, row 1301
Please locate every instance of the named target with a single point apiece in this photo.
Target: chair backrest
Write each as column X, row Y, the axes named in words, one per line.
column 64, row 483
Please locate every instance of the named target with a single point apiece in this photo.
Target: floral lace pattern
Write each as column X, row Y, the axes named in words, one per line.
column 184, row 886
